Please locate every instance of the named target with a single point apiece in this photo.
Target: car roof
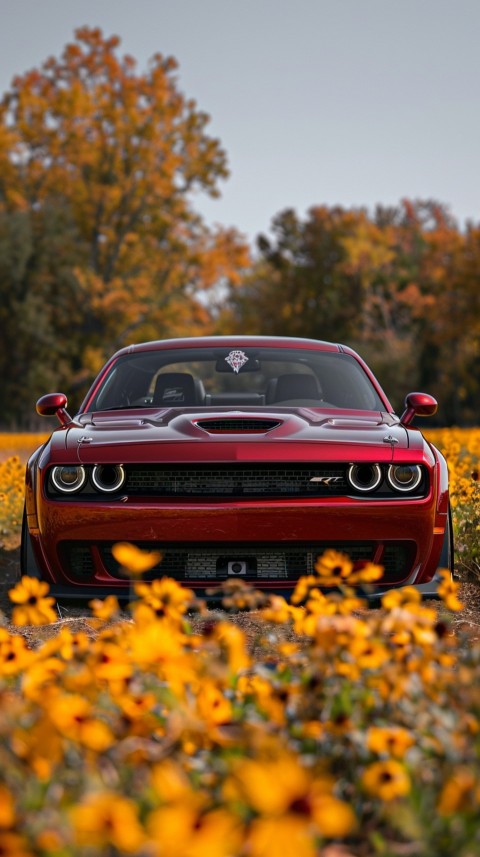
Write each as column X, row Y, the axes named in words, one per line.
column 234, row 342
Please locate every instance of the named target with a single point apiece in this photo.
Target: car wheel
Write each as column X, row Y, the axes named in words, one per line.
column 28, row 563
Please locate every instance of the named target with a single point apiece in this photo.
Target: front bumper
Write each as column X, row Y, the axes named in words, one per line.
column 73, row 539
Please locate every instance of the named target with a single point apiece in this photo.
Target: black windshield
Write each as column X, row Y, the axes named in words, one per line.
column 224, row 376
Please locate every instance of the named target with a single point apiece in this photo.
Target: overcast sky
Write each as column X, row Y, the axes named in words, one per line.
column 349, row 102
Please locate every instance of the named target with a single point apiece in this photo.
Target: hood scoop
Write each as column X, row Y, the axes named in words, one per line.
column 237, row 425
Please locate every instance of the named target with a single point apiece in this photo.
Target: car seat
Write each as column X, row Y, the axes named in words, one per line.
column 174, row 389
column 297, row 386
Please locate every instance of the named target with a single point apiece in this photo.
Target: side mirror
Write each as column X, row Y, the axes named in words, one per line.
column 54, row 403
column 418, row 405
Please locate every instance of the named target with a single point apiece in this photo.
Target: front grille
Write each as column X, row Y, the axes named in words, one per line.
column 238, row 425
column 236, row 481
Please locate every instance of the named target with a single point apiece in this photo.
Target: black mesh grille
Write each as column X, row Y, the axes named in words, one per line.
column 233, row 481
column 238, row 425
column 261, row 562
column 264, row 562
column 78, row 560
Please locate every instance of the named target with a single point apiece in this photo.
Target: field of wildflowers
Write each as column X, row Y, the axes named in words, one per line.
column 152, row 732
column 138, row 736
column 14, row 451
column 462, row 450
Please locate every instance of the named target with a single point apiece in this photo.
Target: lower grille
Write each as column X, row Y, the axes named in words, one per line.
column 78, row 560
column 253, row 563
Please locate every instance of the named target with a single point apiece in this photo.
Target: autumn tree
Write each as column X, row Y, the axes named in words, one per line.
column 400, row 285
column 298, row 287
column 41, row 306
column 116, row 157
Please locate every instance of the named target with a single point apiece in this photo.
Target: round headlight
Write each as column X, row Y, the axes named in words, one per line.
column 69, row 478
column 108, row 477
column 364, row 477
column 404, row 477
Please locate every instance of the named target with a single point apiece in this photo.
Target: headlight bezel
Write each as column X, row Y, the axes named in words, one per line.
column 356, row 483
column 396, row 485
column 101, row 487
column 63, row 488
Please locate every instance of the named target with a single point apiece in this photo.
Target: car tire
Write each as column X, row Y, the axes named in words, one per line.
column 28, row 563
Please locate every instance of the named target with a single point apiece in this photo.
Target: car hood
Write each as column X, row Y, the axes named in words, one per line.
column 232, row 434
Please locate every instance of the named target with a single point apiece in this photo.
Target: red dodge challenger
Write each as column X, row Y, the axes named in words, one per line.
column 236, row 456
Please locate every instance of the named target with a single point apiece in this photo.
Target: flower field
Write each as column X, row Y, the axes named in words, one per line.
column 461, row 448
column 333, row 731
column 14, row 451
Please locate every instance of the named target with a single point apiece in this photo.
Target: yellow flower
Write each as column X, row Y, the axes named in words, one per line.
column 34, row 607
column 391, row 740
column 170, row 829
column 159, row 646
column 171, row 782
column 448, row 591
column 303, row 587
column 406, row 596
column 180, row 830
column 15, row 655
column 74, row 718
column 133, row 560
column 233, row 644
column 106, row 819
column 217, row 833
column 275, row 786
column 278, row 610
column 270, row 786
column 67, row 645
column 157, row 642
column 50, row 841
column 287, row 835
column 295, row 831
column 105, row 608
column 40, row 746
column 333, row 568
column 213, row 706
column 333, row 817
column 368, row 654
column 40, row 678
column 14, row 845
column 386, row 780
column 460, row 792
column 7, row 809
column 166, row 597
column 366, row 572
column 135, row 706
column 111, row 662
column 264, row 695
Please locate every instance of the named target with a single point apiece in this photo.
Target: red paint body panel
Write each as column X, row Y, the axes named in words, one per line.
column 392, row 526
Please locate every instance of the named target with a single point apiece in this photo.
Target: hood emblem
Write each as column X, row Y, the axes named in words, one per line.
column 390, row 439
column 236, row 359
